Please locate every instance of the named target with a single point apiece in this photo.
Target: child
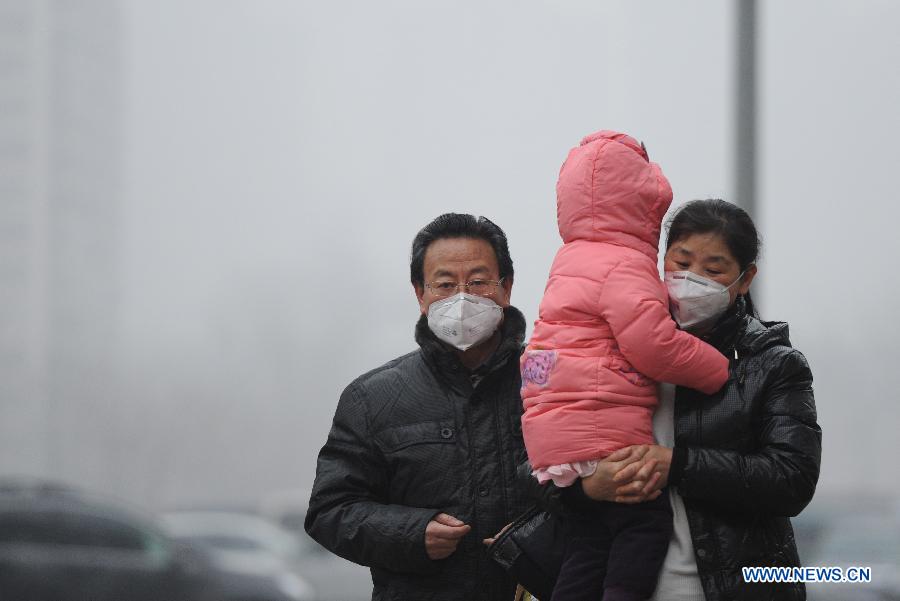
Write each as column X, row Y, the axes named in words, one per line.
column 603, row 338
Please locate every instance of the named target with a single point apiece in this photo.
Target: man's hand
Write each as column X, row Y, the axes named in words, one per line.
column 442, row 535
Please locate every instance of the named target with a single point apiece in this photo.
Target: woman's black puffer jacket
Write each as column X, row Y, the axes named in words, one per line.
column 746, row 458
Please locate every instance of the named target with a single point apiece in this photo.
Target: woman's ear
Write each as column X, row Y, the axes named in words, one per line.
column 746, row 279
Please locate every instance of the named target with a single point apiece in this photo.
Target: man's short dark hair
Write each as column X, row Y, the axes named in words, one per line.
column 458, row 225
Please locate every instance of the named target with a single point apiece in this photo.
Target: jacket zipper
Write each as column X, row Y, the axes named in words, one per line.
column 503, row 471
column 740, row 368
column 699, row 413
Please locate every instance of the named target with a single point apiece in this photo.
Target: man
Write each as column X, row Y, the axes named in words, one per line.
column 419, row 467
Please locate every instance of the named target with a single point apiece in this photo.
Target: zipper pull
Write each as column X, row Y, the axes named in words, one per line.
column 743, row 372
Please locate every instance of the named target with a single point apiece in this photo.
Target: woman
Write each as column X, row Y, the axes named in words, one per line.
column 738, row 462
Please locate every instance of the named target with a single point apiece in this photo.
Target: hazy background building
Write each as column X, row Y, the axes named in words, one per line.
column 23, row 239
column 62, row 148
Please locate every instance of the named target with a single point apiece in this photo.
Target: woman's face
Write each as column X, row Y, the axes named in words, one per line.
column 707, row 255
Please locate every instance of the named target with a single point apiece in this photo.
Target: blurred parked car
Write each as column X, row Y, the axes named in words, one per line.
column 59, row 544
column 811, row 527
column 255, row 558
column 869, row 540
column 334, row 578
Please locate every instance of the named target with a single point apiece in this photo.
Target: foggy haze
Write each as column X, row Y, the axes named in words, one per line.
column 256, row 172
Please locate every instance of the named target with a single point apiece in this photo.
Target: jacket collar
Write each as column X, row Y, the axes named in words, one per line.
column 737, row 332
column 443, row 358
column 725, row 333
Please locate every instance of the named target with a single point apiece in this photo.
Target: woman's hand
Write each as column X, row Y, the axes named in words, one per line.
column 643, row 479
column 490, row 541
column 602, row 484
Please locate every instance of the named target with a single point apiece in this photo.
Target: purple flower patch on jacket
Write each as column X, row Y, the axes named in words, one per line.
column 536, row 367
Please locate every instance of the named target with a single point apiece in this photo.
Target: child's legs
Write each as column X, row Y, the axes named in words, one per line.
column 638, row 548
column 584, row 564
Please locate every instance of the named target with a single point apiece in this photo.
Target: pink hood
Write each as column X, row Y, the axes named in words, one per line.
column 604, row 334
column 609, row 191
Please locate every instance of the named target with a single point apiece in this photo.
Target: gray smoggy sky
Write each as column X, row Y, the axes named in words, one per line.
column 279, row 156
column 282, row 156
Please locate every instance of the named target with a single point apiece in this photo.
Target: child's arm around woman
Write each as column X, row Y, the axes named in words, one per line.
column 634, row 302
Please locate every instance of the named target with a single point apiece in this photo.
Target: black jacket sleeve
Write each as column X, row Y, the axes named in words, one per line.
column 348, row 509
column 780, row 477
column 546, row 496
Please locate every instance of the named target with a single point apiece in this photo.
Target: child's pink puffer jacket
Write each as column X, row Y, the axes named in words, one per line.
column 604, row 333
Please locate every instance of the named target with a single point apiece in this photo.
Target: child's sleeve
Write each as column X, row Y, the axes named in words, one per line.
column 634, row 302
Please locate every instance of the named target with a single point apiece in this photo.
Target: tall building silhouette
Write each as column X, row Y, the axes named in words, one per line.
column 60, row 166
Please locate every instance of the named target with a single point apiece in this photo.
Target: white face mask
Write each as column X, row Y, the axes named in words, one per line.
column 696, row 300
column 464, row 320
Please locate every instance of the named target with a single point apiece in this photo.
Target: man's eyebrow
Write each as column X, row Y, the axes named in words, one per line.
column 443, row 273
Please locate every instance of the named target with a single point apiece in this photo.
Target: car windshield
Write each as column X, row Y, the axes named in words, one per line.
column 61, row 528
column 228, row 543
column 231, row 532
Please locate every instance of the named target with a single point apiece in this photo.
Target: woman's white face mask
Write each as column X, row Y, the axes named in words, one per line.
column 464, row 320
column 695, row 300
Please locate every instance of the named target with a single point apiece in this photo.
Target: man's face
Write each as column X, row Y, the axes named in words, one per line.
column 461, row 260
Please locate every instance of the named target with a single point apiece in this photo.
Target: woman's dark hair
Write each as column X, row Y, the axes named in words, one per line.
column 729, row 221
column 458, row 225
